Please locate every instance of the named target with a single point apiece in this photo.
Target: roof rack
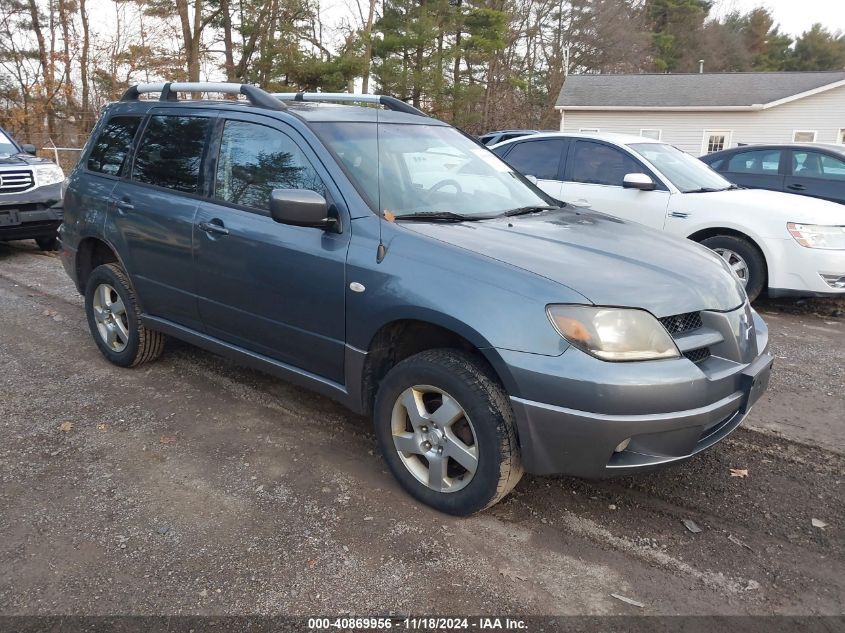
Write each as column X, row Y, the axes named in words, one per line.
column 391, row 103
column 168, row 90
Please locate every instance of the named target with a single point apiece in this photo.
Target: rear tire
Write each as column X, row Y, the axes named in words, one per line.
column 458, row 431
column 741, row 255
column 114, row 319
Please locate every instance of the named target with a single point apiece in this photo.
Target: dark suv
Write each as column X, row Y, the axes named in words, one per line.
column 387, row 260
column 30, row 194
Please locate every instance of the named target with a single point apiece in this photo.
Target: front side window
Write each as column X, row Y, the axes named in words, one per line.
column 688, row 174
column 817, row 165
column 539, row 158
column 762, row 161
column 254, row 160
column 112, row 145
column 170, row 152
column 419, row 168
column 599, row 164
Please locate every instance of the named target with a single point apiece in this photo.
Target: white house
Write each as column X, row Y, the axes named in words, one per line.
column 707, row 112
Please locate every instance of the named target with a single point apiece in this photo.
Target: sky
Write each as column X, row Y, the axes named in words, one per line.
column 794, row 16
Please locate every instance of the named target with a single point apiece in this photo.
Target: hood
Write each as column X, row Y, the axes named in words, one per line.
column 20, row 160
column 607, row 260
column 789, row 206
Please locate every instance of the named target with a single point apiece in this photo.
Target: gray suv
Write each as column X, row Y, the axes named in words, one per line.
column 387, row 260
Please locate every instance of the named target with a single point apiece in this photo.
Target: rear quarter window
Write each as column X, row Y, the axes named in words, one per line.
column 108, row 154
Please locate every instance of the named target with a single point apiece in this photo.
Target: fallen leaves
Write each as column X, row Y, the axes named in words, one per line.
column 66, row 427
column 692, row 526
column 736, row 541
column 739, row 472
column 818, row 523
column 512, row 575
column 167, row 439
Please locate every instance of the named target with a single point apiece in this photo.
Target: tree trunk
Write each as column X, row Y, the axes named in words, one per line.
column 45, row 58
column 368, row 48
column 85, row 123
column 228, row 47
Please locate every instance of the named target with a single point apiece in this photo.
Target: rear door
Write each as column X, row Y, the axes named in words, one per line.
column 275, row 289
column 153, row 212
column 817, row 174
column 593, row 179
column 757, row 169
column 540, row 158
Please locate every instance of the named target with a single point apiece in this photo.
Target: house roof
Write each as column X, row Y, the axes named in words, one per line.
column 694, row 91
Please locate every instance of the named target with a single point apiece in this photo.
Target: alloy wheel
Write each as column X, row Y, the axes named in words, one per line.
column 737, row 264
column 110, row 315
column 434, row 438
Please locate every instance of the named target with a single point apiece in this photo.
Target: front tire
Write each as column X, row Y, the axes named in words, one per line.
column 744, row 258
column 114, row 319
column 447, row 432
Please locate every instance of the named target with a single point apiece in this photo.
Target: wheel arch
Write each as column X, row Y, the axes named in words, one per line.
column 92, row 252
column 705, row 233
column 401, row 338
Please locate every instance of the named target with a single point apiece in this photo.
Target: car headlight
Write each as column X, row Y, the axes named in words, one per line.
column 616, row 334
column 48, row 175
column 818, row 236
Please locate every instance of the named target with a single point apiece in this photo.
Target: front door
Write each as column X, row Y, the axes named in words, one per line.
column 757, row 169
column 275, row 289
column 153, row 213
column 593, row 179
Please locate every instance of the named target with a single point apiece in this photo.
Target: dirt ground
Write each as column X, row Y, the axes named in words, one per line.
column 193, row 485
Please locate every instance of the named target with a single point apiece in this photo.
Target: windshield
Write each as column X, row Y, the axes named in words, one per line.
column 6, row 145
column 427, row 169
column 685, row 172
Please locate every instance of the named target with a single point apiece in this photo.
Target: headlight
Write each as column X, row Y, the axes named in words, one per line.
column 617, row 334
column 818, row 236
column 48, row 175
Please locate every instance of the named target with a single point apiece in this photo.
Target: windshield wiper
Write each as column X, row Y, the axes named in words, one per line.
column 439, row 216
column 706, row 190
column 526, row 210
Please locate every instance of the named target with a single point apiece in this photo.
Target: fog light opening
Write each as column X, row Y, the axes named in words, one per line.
column 622, row 445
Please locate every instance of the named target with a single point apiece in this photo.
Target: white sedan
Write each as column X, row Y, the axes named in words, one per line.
column 792, row 245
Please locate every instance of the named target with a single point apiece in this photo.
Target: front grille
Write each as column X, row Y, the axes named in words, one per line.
column 698, row 355
column 16, row 181
column 680, row 323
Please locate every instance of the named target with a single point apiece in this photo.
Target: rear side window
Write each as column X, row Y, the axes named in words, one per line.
column 816, row 165
column 170, row 152
column 540, row 158
column 254, row 160
column 599, row 164
column 761, row 161
column 112, row 145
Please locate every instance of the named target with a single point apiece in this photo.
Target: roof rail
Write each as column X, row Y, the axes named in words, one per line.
column 168, row 90
column 391, row 103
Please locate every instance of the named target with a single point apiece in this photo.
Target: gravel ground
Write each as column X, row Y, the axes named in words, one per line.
column 195, row 486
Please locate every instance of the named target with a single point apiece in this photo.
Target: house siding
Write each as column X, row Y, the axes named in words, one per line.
column 823, row 112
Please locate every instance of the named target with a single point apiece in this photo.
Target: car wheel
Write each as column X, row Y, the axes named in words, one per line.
column 115, row 319
column 447, row 432
column 48, row 243
column 745, row 260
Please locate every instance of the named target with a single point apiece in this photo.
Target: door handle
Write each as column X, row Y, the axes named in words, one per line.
column 123, row 204
column 213, row 227
column 796, row 187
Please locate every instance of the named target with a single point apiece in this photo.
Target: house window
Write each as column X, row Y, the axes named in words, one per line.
column 804, row 136
column 715, row 141
column 840, row 138
column 651, row 133
column 593, row 130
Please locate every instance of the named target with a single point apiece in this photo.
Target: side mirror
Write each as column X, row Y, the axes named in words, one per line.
column 300, row 207
column 643, row 182
column 28, row 148
column 531, row 179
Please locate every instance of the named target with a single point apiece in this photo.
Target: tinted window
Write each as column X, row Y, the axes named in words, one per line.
column 112, row 145
column 7, row 146
column 540, row 158
column 600, row 164
column 170, row 152
column 816, row 165
column 761, row 161
column 254, row 160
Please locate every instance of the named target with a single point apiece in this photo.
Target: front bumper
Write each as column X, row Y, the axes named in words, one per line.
column 668, row 410
column 795, row 270
column 34, row 213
